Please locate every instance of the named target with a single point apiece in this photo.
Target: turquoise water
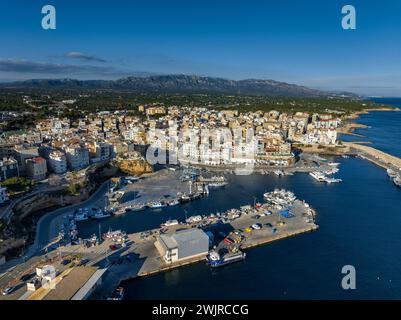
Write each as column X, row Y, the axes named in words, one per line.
column 360, row 225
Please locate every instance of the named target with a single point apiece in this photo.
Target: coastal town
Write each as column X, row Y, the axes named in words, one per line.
column 64, row 171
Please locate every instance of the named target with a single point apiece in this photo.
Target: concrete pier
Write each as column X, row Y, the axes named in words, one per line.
column 378, row 157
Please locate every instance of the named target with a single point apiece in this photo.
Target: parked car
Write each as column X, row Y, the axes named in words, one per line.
column 7, row 291
column 27, row 277
column 65, row 262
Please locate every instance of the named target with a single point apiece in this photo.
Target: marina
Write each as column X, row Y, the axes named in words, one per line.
column 231, row 232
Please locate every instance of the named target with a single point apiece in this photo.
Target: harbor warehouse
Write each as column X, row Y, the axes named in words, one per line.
column 182, row 245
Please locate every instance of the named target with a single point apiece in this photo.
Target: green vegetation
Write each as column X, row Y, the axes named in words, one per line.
column 73, row 189
column 11, row 102
column 18, row 184
column 114, row 101
column 40, row 105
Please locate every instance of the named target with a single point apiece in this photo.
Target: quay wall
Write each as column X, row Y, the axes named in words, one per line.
column 246, row 245
column 378, row 157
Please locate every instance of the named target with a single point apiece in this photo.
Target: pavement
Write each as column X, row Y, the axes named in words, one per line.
column 47, row 228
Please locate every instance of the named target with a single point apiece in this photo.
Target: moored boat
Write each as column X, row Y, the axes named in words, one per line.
column 397, row 181
column 173, row 202
column 391, row 173
column 157, row 204
column 215, row 260
column 101, row 215
column 169, row 223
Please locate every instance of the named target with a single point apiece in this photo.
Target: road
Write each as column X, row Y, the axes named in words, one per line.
column 47, row 228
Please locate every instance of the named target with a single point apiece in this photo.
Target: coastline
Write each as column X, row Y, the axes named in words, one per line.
column 349, row 127
column 357, row 114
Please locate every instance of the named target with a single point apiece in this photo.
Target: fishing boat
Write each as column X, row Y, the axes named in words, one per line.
column 217, row 182
column 170, row 223
column 318, row 176
column 81, row 217
column 136, row 207
column 119, row 212
column 215, row 260
column 185, row 198
column 332, row 180
column 101, row 214
column 333, row 164
column 391, row 173
column 173, row 202
column 157, row 204
column 194, row 219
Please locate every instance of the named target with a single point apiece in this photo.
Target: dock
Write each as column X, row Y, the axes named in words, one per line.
column 378, row 157
column 235, row 223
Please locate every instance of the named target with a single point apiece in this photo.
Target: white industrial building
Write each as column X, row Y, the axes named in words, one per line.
column 183, row 245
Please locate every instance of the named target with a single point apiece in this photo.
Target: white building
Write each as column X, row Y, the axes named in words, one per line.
column 58, row 162
column 186, row 244
column 77, row 157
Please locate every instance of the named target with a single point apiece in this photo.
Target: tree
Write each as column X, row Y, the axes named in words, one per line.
column 73, row 189
column 18, row 184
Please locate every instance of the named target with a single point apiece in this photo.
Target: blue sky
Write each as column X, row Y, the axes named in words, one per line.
column 294, row 41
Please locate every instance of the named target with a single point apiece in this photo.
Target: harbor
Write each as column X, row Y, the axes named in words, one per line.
column 131, row 255
column 124, row 263
column 240, row 228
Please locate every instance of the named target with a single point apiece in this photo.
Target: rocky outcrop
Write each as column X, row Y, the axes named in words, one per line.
column 134, row 166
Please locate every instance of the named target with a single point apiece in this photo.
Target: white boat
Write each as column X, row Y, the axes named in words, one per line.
column 157, row 204
column 318, row 176
column 332, row 171
column 101, row 215
column 119, row 212
column 81, row 217
column 391, row 173
column 332, row 180
column 173, row 203
column 397, row 181
column 136, row 207
column 169, row 223
column 194, row 219
column 334, row 164
column 217, row 182
column 215, row 260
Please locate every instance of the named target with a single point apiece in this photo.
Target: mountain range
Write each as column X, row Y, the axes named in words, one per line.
column 177, row 84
